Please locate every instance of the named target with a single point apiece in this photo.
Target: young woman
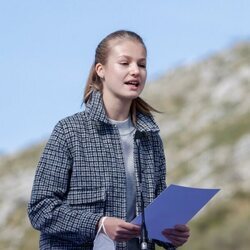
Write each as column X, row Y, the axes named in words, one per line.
column 87, row 176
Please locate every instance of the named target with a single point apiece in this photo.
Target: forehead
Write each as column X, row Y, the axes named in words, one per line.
column 128, row 48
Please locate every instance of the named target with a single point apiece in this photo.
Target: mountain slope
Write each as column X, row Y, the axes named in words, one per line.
column 206, row 120
column 206, row 130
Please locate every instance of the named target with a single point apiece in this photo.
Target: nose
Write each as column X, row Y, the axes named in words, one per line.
column 134, row 69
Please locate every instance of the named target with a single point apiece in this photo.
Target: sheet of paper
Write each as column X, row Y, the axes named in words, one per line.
column 175, row 205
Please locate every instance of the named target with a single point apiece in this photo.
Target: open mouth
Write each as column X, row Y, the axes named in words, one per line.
column 133, row 83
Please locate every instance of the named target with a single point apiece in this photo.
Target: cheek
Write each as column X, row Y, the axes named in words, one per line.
column 143, row 85
column 144, row 72
column 144, row 76
column 112, row 75
column 117, row 68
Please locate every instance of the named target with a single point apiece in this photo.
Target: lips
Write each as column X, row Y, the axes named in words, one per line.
column 133, row 83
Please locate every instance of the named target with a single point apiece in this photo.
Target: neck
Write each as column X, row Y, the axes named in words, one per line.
column 116, row 108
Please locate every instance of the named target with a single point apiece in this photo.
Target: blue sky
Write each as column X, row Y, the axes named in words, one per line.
column 47, row 48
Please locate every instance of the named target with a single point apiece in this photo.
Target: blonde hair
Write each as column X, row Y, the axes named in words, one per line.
column 94, row 82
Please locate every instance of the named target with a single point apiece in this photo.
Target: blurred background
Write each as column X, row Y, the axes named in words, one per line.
column 198, row 76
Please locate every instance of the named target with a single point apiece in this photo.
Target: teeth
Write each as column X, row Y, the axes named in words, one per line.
column 133, row 83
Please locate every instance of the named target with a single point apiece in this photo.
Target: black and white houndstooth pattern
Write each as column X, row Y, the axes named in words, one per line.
column 81, row 177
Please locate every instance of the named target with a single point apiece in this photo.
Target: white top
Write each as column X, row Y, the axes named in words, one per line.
column 127, row 130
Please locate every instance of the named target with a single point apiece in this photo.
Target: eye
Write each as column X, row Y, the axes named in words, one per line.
column 142, row 65
column 124, row 63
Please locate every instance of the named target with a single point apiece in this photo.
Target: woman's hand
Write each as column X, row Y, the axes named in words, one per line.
column 119, row 230
column 177, row 235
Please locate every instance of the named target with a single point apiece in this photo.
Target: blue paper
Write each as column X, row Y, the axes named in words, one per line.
column 175, row 205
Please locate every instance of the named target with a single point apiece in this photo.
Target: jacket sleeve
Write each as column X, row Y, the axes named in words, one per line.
column 160, row 170
column 47, row 209
column 160, row 166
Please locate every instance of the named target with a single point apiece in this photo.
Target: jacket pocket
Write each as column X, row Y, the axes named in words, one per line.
column 91, row 200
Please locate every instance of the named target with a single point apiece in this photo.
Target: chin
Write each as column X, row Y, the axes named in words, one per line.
column 133, row 96
column 129, row 95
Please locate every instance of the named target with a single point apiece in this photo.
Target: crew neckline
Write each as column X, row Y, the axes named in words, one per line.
column 125, row 127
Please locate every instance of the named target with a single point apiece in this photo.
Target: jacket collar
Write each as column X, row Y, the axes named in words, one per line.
column 146, row 123
column 96, row 112
column 95, row 107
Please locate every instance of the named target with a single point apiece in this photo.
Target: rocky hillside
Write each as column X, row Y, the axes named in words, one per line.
column 206, row 120
column 206, row 130
column 205, row 126
column 16, row 177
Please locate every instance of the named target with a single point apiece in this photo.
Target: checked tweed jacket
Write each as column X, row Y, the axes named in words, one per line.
column 81, row 177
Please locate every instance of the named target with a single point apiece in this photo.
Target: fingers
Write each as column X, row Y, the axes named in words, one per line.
column 125, row 234
column 182, row 228
column 130, row 227
column 177, row 235
column 119, row 230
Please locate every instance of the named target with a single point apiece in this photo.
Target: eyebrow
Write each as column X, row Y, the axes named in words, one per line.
column 129, row 57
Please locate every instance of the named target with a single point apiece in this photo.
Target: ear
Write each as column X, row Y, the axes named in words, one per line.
column 100, row 70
